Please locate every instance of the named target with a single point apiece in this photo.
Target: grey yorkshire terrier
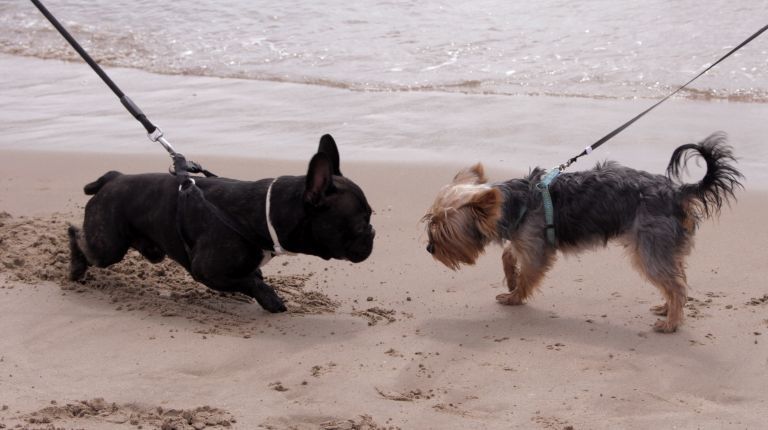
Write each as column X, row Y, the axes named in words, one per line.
column 654, row 216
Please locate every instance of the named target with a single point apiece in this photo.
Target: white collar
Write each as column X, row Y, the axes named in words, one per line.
column 278, row 250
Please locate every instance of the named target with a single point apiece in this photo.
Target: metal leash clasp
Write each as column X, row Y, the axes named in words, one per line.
column 566, row 165
column 157, row 136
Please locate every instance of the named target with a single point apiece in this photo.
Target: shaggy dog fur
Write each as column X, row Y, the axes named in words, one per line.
column 654, row 216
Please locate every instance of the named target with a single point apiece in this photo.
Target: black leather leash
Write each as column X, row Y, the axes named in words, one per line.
column 610, row 135
column 189, row 193
column 153, row 132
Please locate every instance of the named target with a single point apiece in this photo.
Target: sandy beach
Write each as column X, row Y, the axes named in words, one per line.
column 397, row 341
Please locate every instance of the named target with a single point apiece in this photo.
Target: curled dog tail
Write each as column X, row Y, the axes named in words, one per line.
column 719, row 183
column 95, row 186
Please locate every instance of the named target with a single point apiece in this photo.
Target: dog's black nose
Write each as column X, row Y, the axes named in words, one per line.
column 431, row 248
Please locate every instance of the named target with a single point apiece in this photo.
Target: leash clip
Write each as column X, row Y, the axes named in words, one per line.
column 155, row 135
column 561, row 168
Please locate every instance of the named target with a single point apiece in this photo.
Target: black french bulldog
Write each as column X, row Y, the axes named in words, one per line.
column 218, row 229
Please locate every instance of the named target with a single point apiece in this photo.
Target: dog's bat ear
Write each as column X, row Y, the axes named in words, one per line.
column 319, row 179
column 471, row 175
column 328, row 147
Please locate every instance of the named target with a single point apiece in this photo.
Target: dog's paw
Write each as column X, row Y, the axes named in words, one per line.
column 267, row 298
column 277, row 308
column 660, row 310
column 273, row 304
column 77, row 267
column 77, row 270
column 663, row 326
column 509, row 299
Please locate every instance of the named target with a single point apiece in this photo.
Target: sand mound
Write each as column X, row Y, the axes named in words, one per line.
column 376, row 314
column 100, row 412
column 362, row 422
column 35, row 248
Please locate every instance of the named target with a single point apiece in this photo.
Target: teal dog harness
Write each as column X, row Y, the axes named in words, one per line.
column 549, row 210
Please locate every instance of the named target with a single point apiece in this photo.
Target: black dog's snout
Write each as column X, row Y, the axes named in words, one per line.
column 431, row 248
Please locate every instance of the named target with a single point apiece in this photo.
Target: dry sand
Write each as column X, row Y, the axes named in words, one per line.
column 394, row 342
column 397, row 341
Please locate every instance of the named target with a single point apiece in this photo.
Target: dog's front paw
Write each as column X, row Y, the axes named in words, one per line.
column 277, row 307
column 663, row 326
column 271, row 302
column 510, row 299
column 274, row 305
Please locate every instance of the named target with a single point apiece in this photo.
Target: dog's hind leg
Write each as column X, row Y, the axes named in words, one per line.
column 78, row 263
column 102, row 244
column 523, row 281
column 659, row 254
column 105, row 250
column 674, row 291
column 148, row 249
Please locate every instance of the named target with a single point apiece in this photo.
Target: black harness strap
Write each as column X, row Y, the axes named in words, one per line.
column 191, row 198
column 610, row 135
column 179, row 162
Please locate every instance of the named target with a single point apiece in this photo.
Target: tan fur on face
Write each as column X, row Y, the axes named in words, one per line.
column 463, row 218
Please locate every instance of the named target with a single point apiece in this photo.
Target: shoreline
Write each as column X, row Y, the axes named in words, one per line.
column 50, row 105
column 692, row 94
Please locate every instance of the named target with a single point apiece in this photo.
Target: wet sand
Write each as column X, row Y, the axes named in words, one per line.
column 394, row 342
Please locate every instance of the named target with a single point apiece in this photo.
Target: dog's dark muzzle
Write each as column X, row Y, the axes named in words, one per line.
column 362, row 246
column 431, row 248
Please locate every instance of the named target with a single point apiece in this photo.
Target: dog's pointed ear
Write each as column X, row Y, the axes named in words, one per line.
column 319, row 179
column 471, row 175
column 328, row 147
column 486, row 205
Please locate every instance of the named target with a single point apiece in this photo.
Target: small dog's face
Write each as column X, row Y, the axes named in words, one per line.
column 463, row 219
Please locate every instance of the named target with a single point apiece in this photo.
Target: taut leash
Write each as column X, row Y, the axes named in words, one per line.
column 543, row 185
column 154, row 132
column 610, row 135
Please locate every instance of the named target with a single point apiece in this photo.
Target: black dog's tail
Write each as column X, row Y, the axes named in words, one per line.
column 96, row 185
column 720, row 181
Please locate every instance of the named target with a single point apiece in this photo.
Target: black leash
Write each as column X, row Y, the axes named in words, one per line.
column 610, row 135
column 189, row 193
column 153, row 132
